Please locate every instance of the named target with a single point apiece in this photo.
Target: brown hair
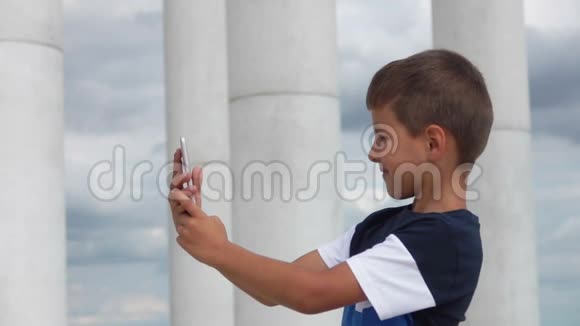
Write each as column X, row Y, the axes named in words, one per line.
column 437, row 87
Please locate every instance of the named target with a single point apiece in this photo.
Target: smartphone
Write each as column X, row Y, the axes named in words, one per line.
column 185, row 167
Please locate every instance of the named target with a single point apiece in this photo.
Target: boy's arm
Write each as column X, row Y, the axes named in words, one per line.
column 305, row 290
column 261, row 299
column 205, row 239
column 310, row 264
column 310, row 260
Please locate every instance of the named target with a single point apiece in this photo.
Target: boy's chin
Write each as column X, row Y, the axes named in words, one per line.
column 398, row 195
column 392, row 194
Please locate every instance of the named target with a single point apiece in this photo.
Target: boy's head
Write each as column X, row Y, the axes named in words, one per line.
column 437, row 105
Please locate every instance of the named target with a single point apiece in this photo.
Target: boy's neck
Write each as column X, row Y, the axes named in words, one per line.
column 448, row 198
column 420, row 205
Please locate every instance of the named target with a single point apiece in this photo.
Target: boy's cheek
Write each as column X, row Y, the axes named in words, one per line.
column 400, row 188
column 389, row 185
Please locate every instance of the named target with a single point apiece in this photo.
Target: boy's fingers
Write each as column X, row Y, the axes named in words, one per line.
column 196, row 173
column 176, row 160
column 186, row 203
column 179, row 209
column 179, row 180
column 183, row 220
column 173, row 205
column 182, row 231
column 197, row 196
column 176, row 207
column 175, row 195
column 189, row 191
column 176, row 163
column 197, row 181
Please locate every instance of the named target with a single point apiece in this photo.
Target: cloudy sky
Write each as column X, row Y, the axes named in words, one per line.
column 117, row 250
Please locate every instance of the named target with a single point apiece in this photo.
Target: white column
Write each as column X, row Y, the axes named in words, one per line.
column 32, row 218
column 491, row 33
column 283, row 109
column 197, row 108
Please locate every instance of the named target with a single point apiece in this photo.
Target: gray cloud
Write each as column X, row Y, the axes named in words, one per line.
column 554, row 68
column 114, row 83
column 555, row 185
column 117, row 294
column 113, row 72
column 117, row 256
column 117, row 251
column 127, row 229
column 554, row 72
column 125, row 233
column 371, row 35
column 560, row 121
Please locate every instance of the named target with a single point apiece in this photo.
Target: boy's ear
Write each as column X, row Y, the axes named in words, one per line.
column 436, row 141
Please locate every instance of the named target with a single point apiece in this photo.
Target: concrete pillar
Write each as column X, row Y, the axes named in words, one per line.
column 197, row 108
column 284, row 117
column 32, row 218
column 491, row 33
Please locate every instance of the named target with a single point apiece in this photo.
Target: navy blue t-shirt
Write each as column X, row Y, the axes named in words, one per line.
column 417, row 269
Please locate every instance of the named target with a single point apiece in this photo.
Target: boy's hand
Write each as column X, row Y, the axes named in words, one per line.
column 202, row 236
column 178, row 179
column 199, row 234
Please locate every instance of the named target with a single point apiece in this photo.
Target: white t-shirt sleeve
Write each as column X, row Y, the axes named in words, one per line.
column 337, row 250
column 390, row 278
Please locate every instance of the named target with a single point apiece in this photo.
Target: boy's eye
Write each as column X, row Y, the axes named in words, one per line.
column 380, row 139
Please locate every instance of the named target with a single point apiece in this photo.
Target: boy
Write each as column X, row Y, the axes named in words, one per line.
column 416, row 264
